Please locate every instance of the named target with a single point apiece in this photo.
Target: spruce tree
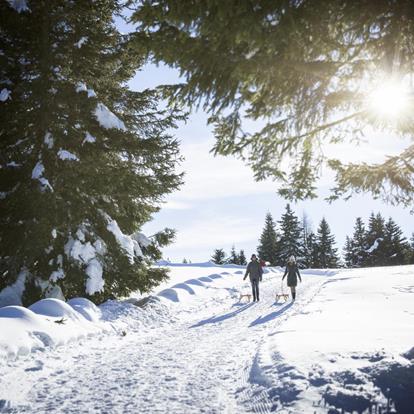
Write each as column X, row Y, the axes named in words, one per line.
column 327, row 253
column 376, row 249
column 85, row 160
column 312, row 259
column 242, row 258
column 219, row 257
column 410, row 251
column 233, row 257
column 395, row 244
column 268, row 245
column 359, row 244
column 348, row 252
column 290, row 242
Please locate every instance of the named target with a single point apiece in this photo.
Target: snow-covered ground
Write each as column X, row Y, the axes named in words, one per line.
column 346, row 344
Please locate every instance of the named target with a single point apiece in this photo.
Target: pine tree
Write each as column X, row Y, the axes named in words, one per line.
column 219, row 257
column 313, row 250
column 376, row 250
column 185, row 261
column 233, row 257
column 290, row 242
column 395, row 244
column 305, row 68
column 348, row 252
column 359, row 244
column 85, row 161
column 327, row 254
column 268, row 246
column 242, row 258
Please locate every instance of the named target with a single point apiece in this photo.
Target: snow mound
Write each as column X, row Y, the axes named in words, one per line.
column 18, row 312
column 54, row 308
column 86, row 308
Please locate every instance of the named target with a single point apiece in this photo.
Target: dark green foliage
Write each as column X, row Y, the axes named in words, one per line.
column 304, row 68
column 233, row 257
column 268, row 245
column 290, row 240
column 219, row 257
column 375, row 241
column 348, row 252
column 62, row 61
column 395, row 244
column 326, row 252
column 359, row 244
column 242, row 258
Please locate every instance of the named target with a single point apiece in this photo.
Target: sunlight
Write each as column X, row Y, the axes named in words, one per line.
column 389, row 100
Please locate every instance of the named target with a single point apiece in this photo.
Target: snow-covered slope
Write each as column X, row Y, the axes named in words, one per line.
column 346, row 344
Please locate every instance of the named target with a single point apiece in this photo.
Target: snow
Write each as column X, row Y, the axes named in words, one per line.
column 374, row 245
column 56, row 275
column 107, row 119
column 48, row 140
column 12, row 294
column 37, row 174
column 345, row 345
column 95, row 282
column 128, row 243
column 89, row 138
column 81, row 42
column 66, row 155
column 5, row 94
column 19, row 5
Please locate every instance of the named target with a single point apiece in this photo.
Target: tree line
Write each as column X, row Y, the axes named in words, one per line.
column 381, row 243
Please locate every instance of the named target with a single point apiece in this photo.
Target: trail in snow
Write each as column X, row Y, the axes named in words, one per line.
column 201, row 351
column 201, row 362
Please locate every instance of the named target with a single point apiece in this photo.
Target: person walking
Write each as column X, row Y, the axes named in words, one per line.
column 255, row 271
column 293, row 274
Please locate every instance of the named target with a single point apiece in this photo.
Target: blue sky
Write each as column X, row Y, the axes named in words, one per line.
column 220, row 204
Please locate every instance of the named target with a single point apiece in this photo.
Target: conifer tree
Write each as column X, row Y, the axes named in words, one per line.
column 327, row 253
column 348, row 252
column 359, row 244
column 219, row 257
column 85, row 161
column 290, row 242
column 233, row 257
column 307, row 69
column 395, row 244
column 312, row 260
column 268, row 245
column 242, row 258
column 410, row 251
column 376, row 249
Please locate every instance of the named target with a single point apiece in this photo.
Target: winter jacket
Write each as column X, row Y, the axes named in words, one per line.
column 254, row 270
column 292, row 270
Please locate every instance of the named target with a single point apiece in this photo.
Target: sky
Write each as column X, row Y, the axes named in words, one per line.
column 220, row 204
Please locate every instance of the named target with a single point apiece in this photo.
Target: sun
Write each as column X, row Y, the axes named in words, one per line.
column 389, row 100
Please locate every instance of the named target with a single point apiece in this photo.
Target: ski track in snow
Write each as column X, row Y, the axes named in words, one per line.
column 210, row 358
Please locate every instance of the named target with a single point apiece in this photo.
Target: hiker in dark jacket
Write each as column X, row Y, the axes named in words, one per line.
column 255, row 271
column 292, row 271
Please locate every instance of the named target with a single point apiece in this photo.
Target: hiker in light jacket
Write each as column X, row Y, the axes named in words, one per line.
column 292, row 271
column 255, row 271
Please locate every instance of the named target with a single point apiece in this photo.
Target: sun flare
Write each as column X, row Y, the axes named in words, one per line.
column 389, row 100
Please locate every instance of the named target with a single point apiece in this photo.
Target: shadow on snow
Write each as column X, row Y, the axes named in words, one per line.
column 217, row 319
column 269, row 317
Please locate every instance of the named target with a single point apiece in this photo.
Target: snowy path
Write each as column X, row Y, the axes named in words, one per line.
column 346, row 344
column 204, row 362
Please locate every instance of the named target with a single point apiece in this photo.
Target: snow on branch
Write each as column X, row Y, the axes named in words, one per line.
column 19, row 5
column 66, row 155
column 5, row 94
column 108, row 119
